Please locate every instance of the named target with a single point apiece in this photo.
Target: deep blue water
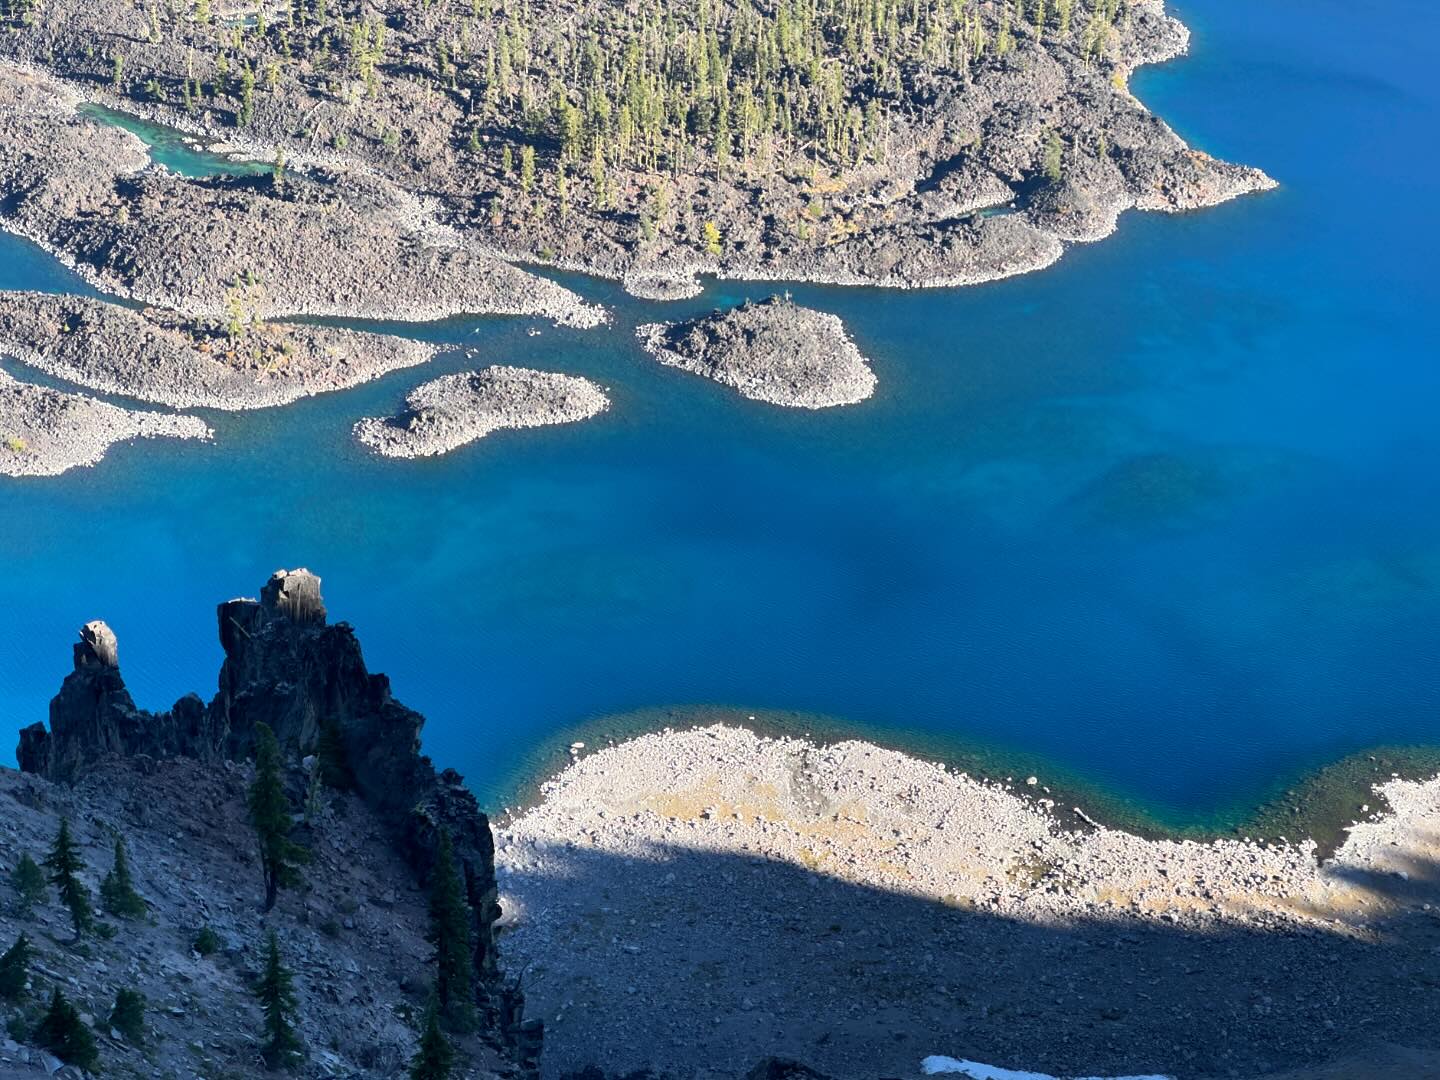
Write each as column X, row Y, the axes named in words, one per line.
column 1167, row 514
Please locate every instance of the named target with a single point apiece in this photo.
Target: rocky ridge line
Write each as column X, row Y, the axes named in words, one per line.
column 286, row 666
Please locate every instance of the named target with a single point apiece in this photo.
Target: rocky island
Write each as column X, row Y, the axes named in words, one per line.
column 918, row 144
column 418, row 152
column 45, row 432
column 456, row 410
column 774, row 351
column 238, row 362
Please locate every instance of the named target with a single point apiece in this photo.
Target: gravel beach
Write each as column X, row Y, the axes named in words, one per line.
column 713, row 895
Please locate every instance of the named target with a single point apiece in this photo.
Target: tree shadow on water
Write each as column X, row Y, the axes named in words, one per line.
column 716, row 960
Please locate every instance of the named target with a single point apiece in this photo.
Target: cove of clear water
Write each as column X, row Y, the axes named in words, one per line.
column 1166, row 514
column 176, row 150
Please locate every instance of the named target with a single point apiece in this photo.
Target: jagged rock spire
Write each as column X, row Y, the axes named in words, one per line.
column 287, row 667
column 97, row 646
column 295, row 593
column 92, row 715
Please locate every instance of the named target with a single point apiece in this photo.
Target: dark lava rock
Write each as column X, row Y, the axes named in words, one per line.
column 287, row 667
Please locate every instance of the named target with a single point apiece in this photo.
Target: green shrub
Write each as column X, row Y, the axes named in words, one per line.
column 207, row 942
column 28, row 882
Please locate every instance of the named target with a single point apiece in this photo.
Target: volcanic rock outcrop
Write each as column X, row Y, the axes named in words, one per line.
column 455, row 410
column 45, row 432
column 287, row 666
column 165, row 358
column 774, row 351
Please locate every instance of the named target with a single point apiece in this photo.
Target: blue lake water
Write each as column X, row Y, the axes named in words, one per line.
column 1167, row 514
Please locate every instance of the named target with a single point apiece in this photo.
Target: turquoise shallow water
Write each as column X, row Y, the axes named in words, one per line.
column 176, row 150
column 1166, row 514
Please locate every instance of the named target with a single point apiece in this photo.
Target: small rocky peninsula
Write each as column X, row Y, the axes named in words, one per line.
column 234, row 363
column 45, row 432
column 774, row 351
column 338, row 240
column 455, row 410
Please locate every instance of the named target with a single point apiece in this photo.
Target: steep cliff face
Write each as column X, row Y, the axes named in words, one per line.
column 287, row 666
column 354, row 934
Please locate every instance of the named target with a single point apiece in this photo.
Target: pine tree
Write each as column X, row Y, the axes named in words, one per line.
column 434, row 1058
column 117, row 891
column 450, row 935
column 1054, row 157
column 28, row 883
column 277, row 1001
column 527, row 169
column 64, row 1034
column 64, row 865
column 15, row 968
column 128, row 1016
column 334, row 761
column 270, row 814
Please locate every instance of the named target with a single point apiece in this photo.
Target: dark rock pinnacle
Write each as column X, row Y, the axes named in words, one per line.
column 287, row 667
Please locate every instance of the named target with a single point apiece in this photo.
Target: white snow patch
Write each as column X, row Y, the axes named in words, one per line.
column 935, row 1064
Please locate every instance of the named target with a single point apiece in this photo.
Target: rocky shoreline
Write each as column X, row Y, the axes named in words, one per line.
column 775, row 351
column 158, row 356
column 994, row 928
column 339, row 242
column 456, row 410
column 46, row 432
column 1036, row 120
